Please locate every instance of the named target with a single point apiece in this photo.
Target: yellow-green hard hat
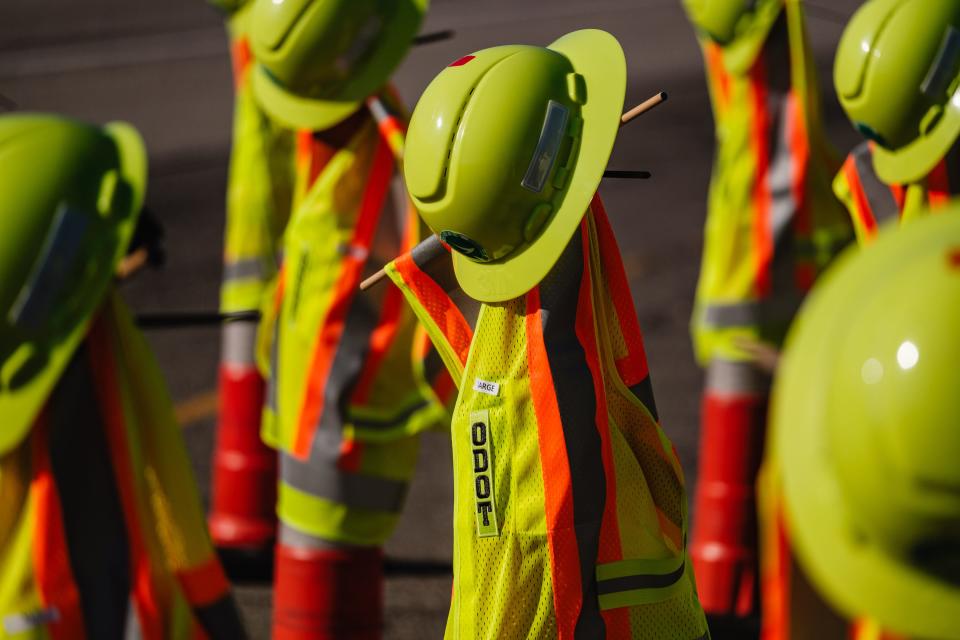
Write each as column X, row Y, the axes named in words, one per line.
column 505, row 150
column 897, row 74
column 741, row 27
column 866, row 430
column 318, row 60
column 70, row 195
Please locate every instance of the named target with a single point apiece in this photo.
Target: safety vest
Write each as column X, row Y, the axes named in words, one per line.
column 345, row 366
column 569, row 501
column 772, row 222
column 259, row 187
column 872, row 203
column 101, row 526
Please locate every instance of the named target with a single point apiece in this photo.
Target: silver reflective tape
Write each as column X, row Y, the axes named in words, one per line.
column 321, row 479
column 293, row 537
column 238, row 342
column 945, row 65
column 783, row 205
column 56, row 267
column 243, row 270
column 134, row 630
column 23, row 622
column 726, row 377
column 545, row 155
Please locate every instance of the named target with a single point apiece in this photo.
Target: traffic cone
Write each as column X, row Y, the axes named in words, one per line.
column 328, row 594
column 243, row 514
column 724, row 542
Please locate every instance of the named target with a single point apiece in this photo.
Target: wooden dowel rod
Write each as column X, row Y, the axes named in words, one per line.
column 643, row 107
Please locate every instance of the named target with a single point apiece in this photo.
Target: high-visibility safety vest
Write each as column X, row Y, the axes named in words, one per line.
column 101, row 527
column 872, row 203
column 772, row 222
column 345, row 367
column 259, row 189
column 570, row 511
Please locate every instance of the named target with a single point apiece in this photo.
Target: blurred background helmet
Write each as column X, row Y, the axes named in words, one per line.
column 741, row 27
column 897, row 74
column 505, row 150
column 70, row 194
column 866, row 430
column 318, row 60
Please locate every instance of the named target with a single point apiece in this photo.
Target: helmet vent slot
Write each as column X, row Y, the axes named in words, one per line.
column 945, row 66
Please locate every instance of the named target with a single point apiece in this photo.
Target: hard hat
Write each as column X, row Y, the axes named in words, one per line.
column 740, row 26
column 505, row 150
column 70, row 196
column 866, row 430
column 318, row 60
column 897, row 74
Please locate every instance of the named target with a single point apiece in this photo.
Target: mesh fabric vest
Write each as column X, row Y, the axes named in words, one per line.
column 101, row 528
column 772, row 222
column 349, row 381
column 569, row 501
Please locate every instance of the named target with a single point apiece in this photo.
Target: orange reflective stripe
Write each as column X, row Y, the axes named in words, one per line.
column 775, row 583
column 448, row 318
column 938, row 186
column 54, row 576
column 348, row 282
column 241, row 58
column 558, row 503
column 617, row 620
column 633, row 367
column 861, row 204
column 713, row 57
column 107, row 387
column 759, row 141
column 204, row 584
column 805, row 272
column 383, row 336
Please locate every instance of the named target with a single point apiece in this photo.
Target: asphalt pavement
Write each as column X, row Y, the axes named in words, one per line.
column 163, row 66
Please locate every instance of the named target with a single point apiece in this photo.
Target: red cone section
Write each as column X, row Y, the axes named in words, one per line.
column 323, row 595
column 724, row 544
column 243, row 514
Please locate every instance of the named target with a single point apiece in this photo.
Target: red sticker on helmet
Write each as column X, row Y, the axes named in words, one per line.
column 462, row 61
column 953, row 258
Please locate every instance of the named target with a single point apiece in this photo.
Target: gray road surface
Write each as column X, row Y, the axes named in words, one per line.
column 163, row 66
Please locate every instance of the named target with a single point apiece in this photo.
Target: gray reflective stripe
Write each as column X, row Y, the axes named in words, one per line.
column 243, row 270
column 729, row 377
column 640, row 581
column 133, row 631
column 292, row 537
column 577, row 403
column 322, row 479
column 15, row 623
column 371, row 422
column 750, row 313
column 882, row 205
column 783, row 206
column 238, row 342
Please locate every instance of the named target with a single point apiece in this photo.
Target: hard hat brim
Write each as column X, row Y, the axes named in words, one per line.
column 913, row 162
column 299, row 112
column 21, row 404
column 853, row 574
column 598, row 57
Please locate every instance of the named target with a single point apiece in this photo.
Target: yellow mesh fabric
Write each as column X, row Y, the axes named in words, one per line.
column 504, row 584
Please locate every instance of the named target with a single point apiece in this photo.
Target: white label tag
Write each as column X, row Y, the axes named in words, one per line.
column 489, row 388
column 21, row 622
